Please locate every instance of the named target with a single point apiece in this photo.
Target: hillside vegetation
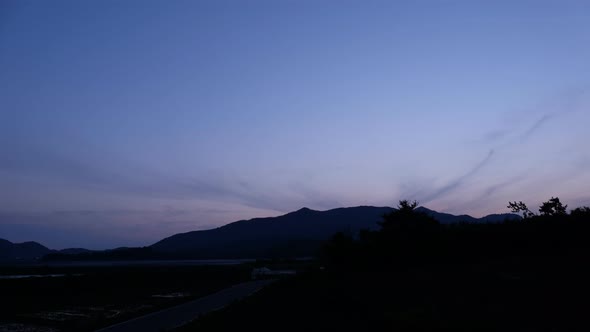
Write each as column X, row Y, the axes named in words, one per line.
column 415, row 274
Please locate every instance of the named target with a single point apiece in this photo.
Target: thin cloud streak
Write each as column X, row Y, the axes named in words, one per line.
column 32, row 161
column 536, row 126
column 572, row 104
column 460, row 180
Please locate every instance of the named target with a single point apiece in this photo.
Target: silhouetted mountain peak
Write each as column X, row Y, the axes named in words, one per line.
column 303, row 210
column 447, row 218
column 298, row 233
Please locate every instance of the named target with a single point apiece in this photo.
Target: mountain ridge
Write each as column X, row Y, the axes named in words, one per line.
column 300, row 230
column 294, row 234
column 31, row 250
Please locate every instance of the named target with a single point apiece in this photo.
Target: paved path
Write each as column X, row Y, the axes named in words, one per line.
column 181, row 314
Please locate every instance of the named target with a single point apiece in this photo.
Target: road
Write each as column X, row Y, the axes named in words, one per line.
column 184, row 313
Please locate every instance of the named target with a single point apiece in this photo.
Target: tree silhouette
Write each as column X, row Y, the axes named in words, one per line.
column 581, row 212
column 520, row 207
column 407, row 206
column 406, row 218
column 552, row 207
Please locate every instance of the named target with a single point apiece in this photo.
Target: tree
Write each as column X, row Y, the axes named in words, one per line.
column 581, row 212
column 553, row 207
column 407, row 206
column 520, row 207
column 406, row 218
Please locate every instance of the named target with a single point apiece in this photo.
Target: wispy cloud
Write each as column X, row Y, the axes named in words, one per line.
column 535, row 126
column 127, row 178
column 459, row 180
column 511, row 137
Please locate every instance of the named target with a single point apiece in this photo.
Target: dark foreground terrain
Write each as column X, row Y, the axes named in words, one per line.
column 89, row 297
column 413, row 274
column 418, row 275
column 534, row 293
column 179, row 315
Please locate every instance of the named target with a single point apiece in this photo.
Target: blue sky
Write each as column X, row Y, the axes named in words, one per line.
column 123, row 122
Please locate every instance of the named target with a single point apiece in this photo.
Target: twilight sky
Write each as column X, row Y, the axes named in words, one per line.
column 122, row 122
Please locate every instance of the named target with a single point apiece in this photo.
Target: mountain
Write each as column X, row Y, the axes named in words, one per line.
column 25, row 251
column 118, row 254
column 30, row 251
column 74, row 251
column 298, row 233
column 446, row 218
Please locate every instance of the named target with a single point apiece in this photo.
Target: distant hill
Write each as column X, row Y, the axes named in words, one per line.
column 298, row 233
column 446, row 218
column 74, row 251
column 25, row 251
column 31, row 251
column 118, row 254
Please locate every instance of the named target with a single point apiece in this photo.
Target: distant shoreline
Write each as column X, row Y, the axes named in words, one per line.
column 115, row 263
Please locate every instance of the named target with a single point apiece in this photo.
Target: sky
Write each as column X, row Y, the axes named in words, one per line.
column 123, row 122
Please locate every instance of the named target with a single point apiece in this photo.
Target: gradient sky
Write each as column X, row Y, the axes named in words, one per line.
column 122, row 122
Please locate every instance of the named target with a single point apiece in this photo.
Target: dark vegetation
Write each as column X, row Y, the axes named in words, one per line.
column 416, row 270
column 415, row 274
column 410, row 237
column 85, row 298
